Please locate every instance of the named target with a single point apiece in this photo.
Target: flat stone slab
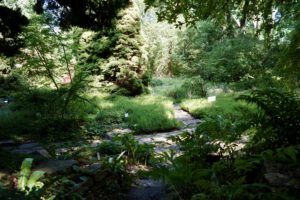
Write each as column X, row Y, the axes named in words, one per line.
column 114, row 132
column 277, row 179
column 7, row 143
column 95, row 143
column 31, row 148
column 184, row 117
column 93, row 168
column 161, row 140
column 148, row 189
column 55, row 166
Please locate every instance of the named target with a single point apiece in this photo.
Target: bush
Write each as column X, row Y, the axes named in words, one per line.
column 156, row 82
column 137, row 153
column 231, row 59
column 207, row 51
column 43, row 113
column 11, row 84
column 191, row 88
column 110, row 148
column 279, row 125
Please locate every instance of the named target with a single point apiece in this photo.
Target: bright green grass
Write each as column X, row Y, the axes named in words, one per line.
column 225, row 104
column 146, row 113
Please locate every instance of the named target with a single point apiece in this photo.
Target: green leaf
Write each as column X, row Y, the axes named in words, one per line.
column 33, row 180
column 291, row 152
column 24, row 173
column 120, row 155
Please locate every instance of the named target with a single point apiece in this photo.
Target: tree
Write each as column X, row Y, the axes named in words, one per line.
column 11, row 22
column 160, row 39
column 93, row 14
column 116, row 54
column 263, row 15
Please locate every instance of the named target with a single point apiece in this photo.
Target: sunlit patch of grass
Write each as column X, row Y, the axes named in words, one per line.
column 194, row 105
column 224, row 104
column 145, row 113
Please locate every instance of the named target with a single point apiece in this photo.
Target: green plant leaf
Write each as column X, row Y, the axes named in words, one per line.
column 292, row 152
column 24, row 173
column 120, row 156
column 33, row 180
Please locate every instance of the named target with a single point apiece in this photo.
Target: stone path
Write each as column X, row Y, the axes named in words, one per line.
column 148, row 189
column 161, row 141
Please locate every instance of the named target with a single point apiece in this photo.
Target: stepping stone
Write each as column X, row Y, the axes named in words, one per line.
column 55, row 166
column 95, row 143
column 192, row 122
column 31, row 148
column 244, row 139
column 277, row 179
column 114, row 132
column 7, row 143
column 93, row 168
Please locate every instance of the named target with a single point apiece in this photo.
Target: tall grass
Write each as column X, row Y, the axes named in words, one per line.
column 145, row 113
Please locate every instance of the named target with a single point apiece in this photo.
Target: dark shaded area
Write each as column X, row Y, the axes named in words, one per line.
column 11, row 22
column 86, row 14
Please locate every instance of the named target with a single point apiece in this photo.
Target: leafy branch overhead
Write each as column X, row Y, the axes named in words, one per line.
column 238, row 12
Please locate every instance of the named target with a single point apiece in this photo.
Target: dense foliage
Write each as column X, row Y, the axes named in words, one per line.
column 116, row 55
column 203, row 50
column 87, row 14
column 212, row 165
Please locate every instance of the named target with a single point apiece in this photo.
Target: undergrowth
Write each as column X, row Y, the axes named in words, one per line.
column 211, row 167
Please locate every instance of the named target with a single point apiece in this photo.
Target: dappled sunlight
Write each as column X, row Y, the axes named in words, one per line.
column 224, row 103
column 192, row 105
column 106, row 105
